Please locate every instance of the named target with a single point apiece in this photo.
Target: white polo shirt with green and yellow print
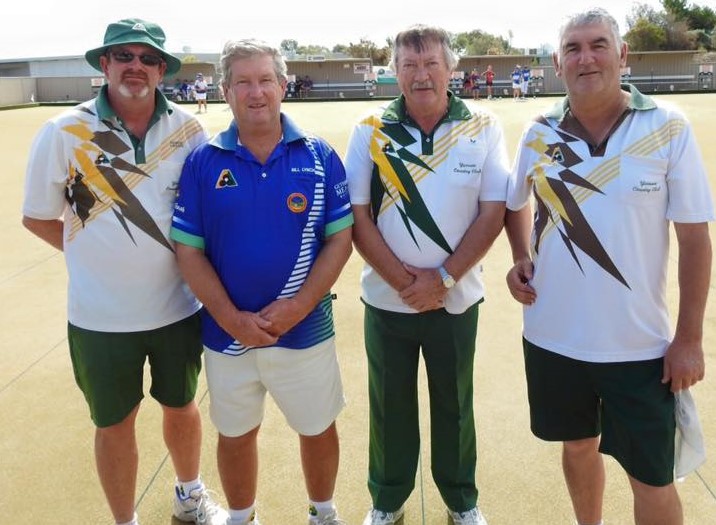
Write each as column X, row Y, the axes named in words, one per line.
column 116, row 196
column 600, row 241
column 425, row 190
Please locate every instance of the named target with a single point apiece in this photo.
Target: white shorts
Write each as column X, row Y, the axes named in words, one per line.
column 525, row 87
column 305, row 384
column 200, row 96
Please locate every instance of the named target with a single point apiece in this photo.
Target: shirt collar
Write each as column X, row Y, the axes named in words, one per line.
column 229, row 138
column 457, row 110
column 637, row 101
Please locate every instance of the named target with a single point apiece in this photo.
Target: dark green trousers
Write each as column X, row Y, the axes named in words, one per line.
column 394, row 342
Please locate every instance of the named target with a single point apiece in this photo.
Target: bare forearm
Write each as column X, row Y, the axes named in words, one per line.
column 695, row 255
column 518, row 225
column 284, row 314
column 374, row 250
column 246, row 327
column 203, row 280
column 326, row 269
column 477, row 240
column 49, row 231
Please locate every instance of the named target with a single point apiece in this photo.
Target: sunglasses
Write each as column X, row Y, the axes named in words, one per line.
column 125, row 57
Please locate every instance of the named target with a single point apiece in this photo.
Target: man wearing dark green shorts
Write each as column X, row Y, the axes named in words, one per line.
column 609, row 169
column 101, row 185
column 428, row 181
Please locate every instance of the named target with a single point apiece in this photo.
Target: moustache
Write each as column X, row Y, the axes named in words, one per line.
column 421, row 85
column 133, row 75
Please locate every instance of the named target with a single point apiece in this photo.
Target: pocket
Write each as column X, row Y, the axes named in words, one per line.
column 642, row 180
column 299, row 194
column 466, row 161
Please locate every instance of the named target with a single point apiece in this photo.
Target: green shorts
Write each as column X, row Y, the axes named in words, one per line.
column 624, row 402
column 109, row 367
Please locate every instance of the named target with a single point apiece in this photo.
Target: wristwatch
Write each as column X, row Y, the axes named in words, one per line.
column 448, row 281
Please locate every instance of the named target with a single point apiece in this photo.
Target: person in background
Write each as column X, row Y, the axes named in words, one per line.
column 263, row 228
column 101, row 183
column 516, row 83
column 475, row 84
column 306, row 86
column 428, row 181
column 185, row 90
column 609, row 168
column 525, row 88
column 176, row 91
column 201, row 89
column 489, row 75
column 299, row 86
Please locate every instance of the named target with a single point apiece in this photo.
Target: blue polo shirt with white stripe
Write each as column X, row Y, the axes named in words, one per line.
column 261, row 226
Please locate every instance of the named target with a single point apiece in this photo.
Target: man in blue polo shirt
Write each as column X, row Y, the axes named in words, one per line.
column 516, row 82
column 525, row 87
column 263, row 224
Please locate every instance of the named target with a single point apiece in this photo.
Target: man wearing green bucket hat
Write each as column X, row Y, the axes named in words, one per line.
column 101, row 184
column 134, row 31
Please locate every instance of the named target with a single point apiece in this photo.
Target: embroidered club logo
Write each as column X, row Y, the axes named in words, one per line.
column 226, row 180
column 297, row 202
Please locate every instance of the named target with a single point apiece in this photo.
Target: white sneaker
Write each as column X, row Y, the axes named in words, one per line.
column 329, row 519
column 198, row 507
column 469, row 517
column 378, row 517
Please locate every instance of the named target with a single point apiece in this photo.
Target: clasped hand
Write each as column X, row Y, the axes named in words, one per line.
column 263, row 328
column 426, row 292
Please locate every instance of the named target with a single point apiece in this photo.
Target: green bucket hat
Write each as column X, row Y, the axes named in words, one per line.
column 133, row 31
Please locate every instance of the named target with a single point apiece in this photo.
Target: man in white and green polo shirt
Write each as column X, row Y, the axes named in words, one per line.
column 101, row 184
column 609, row 169
column 428, row 181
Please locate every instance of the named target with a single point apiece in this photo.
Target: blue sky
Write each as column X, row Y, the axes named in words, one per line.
column 70, row 27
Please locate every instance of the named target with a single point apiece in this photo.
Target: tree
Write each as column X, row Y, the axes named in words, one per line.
column 381, row 57
column 645, row 12
column 340, row 49
column 477, row 42
column 676, row 7
column 645, row 36
column 368, row 49
column 312, row 49
column 702, row 18
column 289, row 47
column 669, row 30
column 701, row 38
column 677, row 34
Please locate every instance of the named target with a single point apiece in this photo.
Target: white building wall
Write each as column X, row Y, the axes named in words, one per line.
column 63, row 67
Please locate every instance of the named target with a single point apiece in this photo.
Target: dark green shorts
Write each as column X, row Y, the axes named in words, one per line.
column 109, row 367
column 624, row 402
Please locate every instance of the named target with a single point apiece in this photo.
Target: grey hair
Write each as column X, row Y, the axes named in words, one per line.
column 417, row 37
column 238, row 49
column 594, row 15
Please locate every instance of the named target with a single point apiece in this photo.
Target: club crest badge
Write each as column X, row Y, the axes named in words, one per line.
column 226, row 180
column 297, row 202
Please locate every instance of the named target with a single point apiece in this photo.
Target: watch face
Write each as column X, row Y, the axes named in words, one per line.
column 448, row 281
